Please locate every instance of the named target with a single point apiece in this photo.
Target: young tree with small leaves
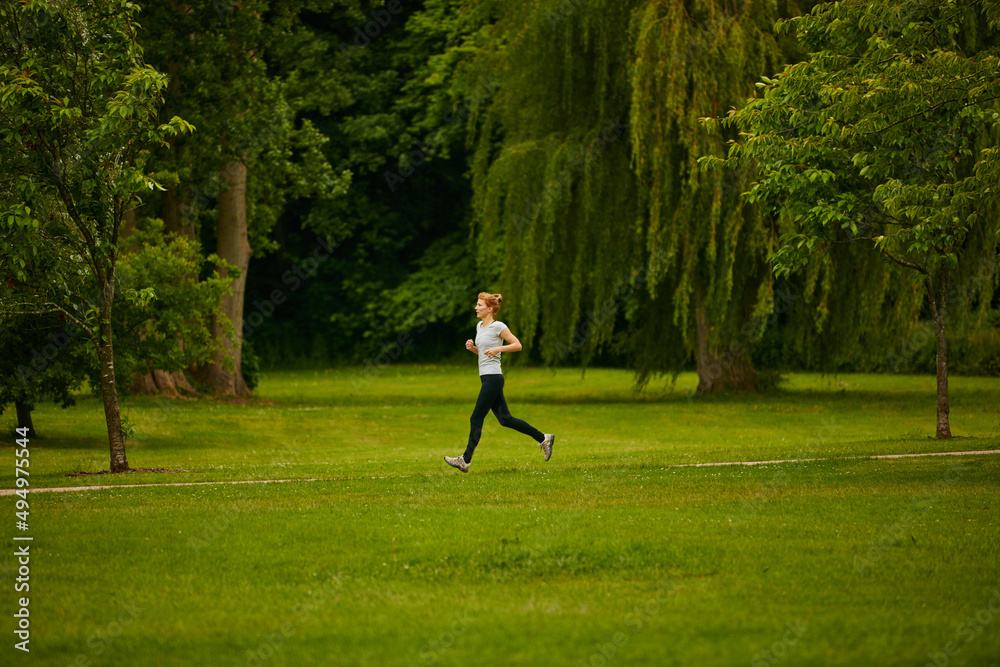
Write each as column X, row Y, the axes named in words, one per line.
column 887, row 135
column 78, row 113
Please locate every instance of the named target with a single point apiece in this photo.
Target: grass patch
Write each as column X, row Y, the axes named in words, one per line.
column 607, row 554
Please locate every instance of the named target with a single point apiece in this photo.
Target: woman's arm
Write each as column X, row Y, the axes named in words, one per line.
column 471, row 347
column 514, row 345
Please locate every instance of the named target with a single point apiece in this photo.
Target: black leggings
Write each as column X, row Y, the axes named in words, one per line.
column 491, row 398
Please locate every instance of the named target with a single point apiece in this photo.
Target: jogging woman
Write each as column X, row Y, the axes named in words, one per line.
column 490, row 334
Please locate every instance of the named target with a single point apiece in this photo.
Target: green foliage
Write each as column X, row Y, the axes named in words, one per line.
column 973, row 347
column 234, row 73
column 128, row 428
column 162, row 305
column 586, row 181
column 45, row 359
column 558, row 222
column 887, row 134
column 396, row 123
column 250, row 365
column 692, row 60
column 78, row 115
column 440, row 289
column 173, row 329
column 831, row 327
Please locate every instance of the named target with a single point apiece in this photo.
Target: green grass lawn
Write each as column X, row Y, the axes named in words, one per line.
column 609, row 554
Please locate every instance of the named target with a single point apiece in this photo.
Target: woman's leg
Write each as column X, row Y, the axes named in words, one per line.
column 510, row 421
column 492, row 386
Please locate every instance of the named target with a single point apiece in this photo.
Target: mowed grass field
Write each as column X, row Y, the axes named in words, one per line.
column 617, row 551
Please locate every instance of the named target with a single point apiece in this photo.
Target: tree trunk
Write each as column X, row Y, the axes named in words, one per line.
column 170, row 210
column 24, row 417
column 129, row 221
column 109, row 390
column 174, row 221
column 731, row 369
column 702, row 358
column 234, row 247
column 939, row 307
column 161, row 382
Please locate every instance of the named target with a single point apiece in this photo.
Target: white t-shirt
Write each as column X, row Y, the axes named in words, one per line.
column 486, row 339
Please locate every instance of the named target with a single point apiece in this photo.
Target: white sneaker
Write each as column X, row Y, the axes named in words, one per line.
column 546, row 445
column 457, row 462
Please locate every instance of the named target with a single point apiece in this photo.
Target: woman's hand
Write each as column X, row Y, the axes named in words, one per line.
column 471, row 346
column 493, row 351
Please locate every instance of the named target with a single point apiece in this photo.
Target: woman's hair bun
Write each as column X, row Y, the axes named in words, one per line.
column 491, row 300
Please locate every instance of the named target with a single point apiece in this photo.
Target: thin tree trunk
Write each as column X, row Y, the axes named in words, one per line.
column 24, row 417
column 109, row 390
column 234, row 247
column 174, row 219
column 171, row 210
column 939, row 307
column 730, row 369
column 129, row 221
column 702, row 358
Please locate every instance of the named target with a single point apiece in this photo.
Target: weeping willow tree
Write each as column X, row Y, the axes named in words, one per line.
column 707, row 251
column 558, row 223
column 592, row 212
column 885, row 138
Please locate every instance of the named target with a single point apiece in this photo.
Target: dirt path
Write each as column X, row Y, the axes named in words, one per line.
column 879, row 456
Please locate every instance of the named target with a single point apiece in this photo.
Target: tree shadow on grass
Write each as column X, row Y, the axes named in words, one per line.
column 84, row 473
